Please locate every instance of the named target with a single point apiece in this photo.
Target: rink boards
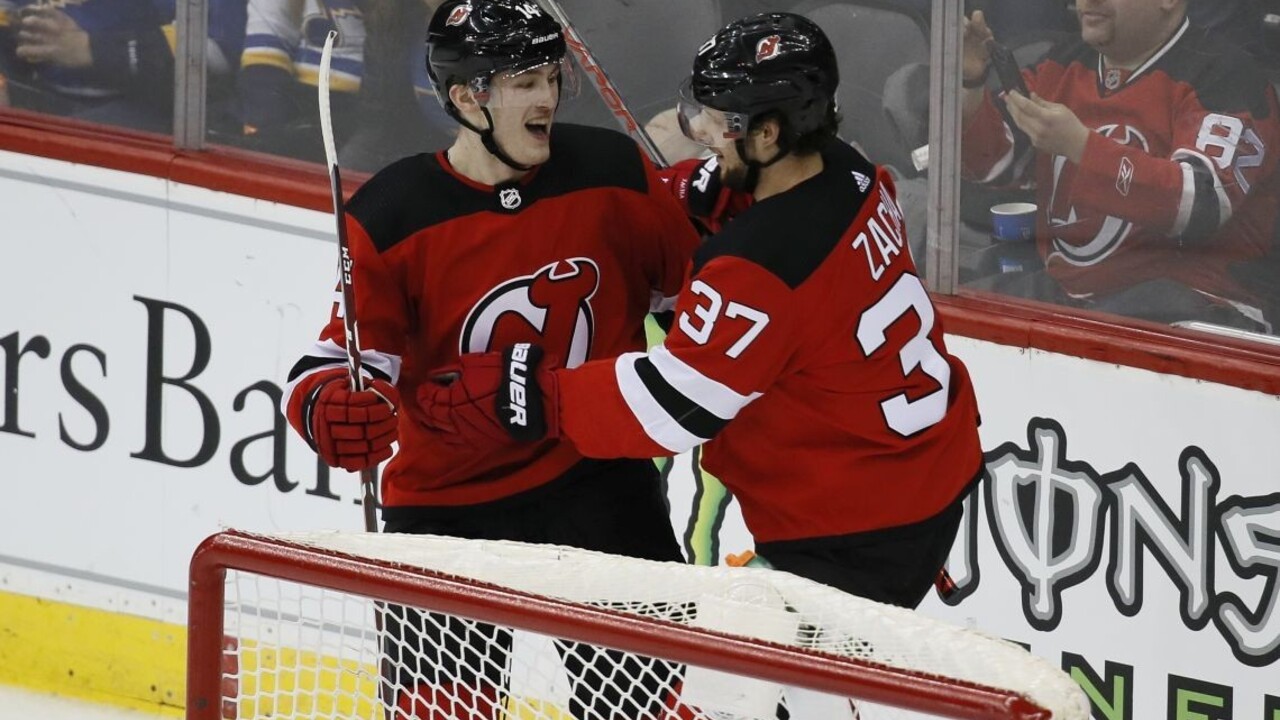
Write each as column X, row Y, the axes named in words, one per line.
column 1129, row 529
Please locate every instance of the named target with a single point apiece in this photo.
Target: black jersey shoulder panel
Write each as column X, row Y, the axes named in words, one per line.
column 1225, row 78
column 791, row 234
column 416, row 193
column 584, row 157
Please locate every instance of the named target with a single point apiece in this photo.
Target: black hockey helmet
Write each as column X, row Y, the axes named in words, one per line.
column 475, row 39
column 780, row 62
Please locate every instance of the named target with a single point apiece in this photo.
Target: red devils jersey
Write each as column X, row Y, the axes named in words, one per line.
column 573, row 257
column 808, row 357
column 1177, row 180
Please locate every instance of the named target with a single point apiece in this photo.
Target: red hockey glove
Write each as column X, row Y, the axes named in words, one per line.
column 492, row 399
column 698, row 186
column 349, row 430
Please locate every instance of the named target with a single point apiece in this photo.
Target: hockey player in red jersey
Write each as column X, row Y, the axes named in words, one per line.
column 1152, row 149
column 522, row 231
column 806, row 354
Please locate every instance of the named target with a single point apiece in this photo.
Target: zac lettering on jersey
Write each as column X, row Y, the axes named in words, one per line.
column 162, row 383
column 1052, row 516
column 883, row 239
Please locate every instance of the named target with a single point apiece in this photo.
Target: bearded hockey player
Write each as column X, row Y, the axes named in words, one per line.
column 806, row 354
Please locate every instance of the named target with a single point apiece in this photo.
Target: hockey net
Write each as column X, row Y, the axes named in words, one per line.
column 356, row 625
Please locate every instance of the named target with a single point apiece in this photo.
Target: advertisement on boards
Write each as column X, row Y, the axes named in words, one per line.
column 1128, row 529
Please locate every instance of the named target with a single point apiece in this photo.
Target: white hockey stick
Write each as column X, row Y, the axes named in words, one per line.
column 587, row 61
column 369, row 477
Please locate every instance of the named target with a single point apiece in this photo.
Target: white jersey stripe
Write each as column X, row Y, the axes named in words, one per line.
column 658, row 425
column 1005, row 162
column 388, row 365
column 1186, row 202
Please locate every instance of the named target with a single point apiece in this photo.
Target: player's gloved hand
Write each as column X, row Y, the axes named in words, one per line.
column 492, row 399
column 349, row 430
column 698, row 185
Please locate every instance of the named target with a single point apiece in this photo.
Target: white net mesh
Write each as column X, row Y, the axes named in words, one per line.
column 299, row 651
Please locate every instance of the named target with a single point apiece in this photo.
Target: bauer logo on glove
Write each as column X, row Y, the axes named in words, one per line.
column 491, row 399
column 522, row 411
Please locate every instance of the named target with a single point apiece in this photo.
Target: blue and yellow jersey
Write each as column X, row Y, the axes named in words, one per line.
column 289, row 35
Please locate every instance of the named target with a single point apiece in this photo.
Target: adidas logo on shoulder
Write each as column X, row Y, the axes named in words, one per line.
column 863, row 181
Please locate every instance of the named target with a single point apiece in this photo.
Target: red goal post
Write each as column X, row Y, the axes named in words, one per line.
column 272, row 633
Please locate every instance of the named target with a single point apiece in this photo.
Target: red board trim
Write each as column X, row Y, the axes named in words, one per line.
column 977, row 315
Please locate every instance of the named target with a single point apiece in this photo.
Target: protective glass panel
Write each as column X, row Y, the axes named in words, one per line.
column 882, row 50
column 98, row 61
column 1140, row 178
column 384, row 106
column 382, row 103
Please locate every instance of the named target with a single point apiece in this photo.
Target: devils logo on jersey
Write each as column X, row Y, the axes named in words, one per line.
column 1088, row 240
column 551, row 307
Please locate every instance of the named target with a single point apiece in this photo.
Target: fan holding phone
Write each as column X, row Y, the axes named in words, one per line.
column 1006, row 67
column 1151, row 146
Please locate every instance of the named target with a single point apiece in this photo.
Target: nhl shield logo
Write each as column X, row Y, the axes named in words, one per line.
column 768, row 48
column 509, row 198
column 1112, row 79
column 458, row 16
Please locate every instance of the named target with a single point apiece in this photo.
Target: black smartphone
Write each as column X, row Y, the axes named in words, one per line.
column 1006, row 68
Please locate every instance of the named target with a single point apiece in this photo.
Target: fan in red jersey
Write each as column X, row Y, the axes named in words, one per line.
column 1152, row 149
column 522, row 231
column 806, row 357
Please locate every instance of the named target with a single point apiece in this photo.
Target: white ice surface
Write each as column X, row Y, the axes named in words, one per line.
column 19, row 704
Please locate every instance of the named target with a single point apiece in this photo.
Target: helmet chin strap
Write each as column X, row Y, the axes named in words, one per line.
column 491, row 144
column 755, row 166
column 486, row 138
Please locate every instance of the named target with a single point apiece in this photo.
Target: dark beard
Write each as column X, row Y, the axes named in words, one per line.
column 734, row 178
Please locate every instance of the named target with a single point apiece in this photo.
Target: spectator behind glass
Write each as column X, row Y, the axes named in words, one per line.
column 1018, row 21
column 280, row 69
column 398, row 110
column 1240, row 22
column 1151, row 148
column 108, row 61
column 1014, row 20
column 377, row 71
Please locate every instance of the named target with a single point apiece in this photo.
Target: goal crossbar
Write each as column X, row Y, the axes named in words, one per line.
column 393, row 582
